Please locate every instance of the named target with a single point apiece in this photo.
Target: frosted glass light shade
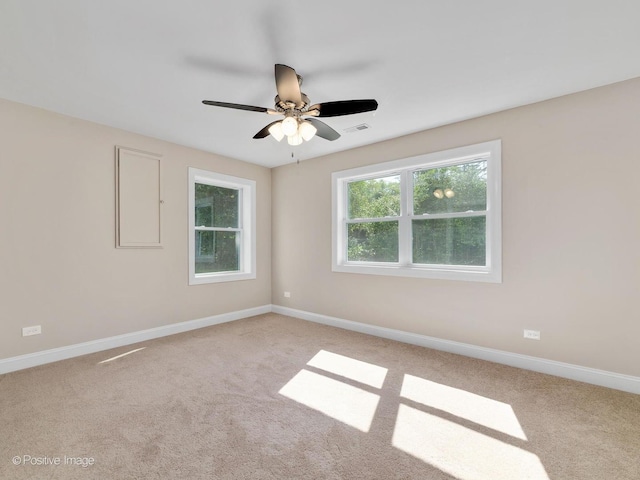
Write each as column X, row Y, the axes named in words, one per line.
column 295, row 139
column 276, row 131
column 449, row 193
column 289, row 126
column 307, row 130
column 438, row 193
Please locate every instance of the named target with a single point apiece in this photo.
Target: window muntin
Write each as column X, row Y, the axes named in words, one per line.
column 434, row 216
column 221, row 227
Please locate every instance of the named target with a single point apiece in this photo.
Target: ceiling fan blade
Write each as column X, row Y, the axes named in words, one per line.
column 324, row 130
column 344, row 107
column 265, row 131
column 287, row 84
column 237, row 106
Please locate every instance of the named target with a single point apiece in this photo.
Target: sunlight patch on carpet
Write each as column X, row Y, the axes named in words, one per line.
column 363, row 372
column 121, row 355
column 345, row 403
column 484, row 411
column 460, row 451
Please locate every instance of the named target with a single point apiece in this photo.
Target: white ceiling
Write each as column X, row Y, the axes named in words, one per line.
column 146, row 65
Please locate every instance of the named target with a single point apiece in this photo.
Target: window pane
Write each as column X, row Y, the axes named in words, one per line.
column 450, row 241
column 216, row 206
column 217, row 252
column 458, row 188
column 372, row 242
column 374, row 198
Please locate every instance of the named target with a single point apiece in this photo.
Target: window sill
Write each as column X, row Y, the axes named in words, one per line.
column 203, row 278
column 471, row 274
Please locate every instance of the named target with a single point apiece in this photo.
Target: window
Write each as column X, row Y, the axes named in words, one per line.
column 222, row 245
column 432, row 216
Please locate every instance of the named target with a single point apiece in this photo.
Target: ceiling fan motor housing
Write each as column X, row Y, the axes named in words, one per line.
column 284, row 105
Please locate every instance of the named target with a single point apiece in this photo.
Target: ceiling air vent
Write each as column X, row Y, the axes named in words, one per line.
column 362, row 126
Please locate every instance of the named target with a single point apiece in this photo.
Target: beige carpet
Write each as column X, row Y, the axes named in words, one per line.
column 272, row 397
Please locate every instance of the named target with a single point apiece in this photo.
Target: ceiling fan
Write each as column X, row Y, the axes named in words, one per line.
column 299, row 121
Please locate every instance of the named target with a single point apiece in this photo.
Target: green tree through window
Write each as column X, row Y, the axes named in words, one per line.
column 458, row 189
column 374, row 209
column 370, row 200
column 436, row 215
column 216, row 210
column 222, row 227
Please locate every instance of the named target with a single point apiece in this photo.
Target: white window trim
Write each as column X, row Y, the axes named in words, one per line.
column 247, row 212
column 492, row 272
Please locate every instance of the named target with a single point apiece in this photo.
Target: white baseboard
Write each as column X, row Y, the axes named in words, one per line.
column 593, row 376
column 47, row 356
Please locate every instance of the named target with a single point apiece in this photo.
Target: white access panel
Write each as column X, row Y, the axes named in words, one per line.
column 138, row 199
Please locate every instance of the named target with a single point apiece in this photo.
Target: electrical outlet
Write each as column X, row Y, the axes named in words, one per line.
column 287, row 294
column 35, row 330
column 532, row 334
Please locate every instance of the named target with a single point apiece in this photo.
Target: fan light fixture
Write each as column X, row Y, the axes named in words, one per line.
column 295, row 106
column 295, row 139
column 289, row 126
column 449, row 193
column 307, row 130
column 304, row 130
column 276, row 131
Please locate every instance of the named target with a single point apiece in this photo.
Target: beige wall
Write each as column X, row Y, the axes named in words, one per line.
column 571, row 236
column 59, row 267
